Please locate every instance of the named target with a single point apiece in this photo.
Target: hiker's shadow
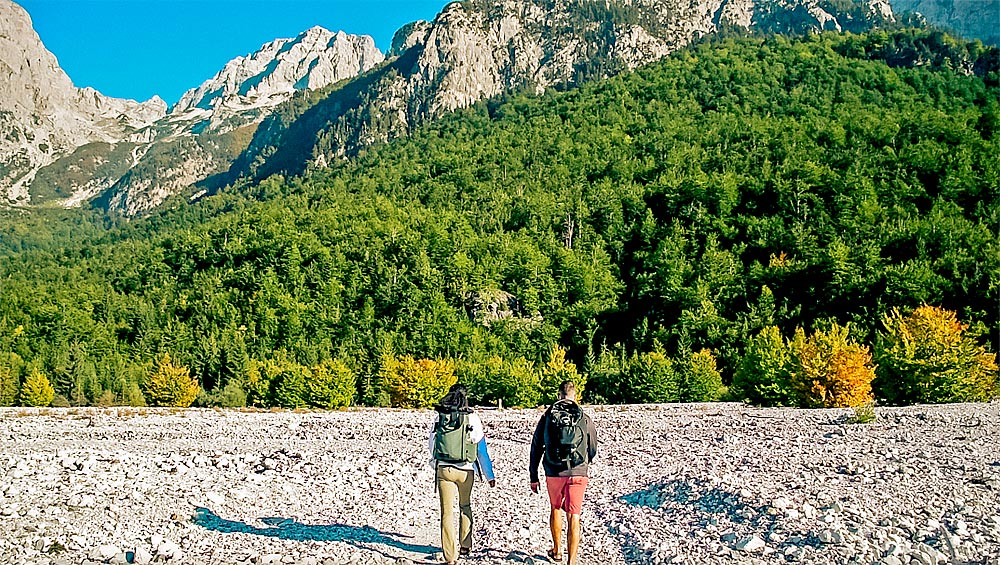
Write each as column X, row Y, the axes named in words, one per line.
column 364, row 537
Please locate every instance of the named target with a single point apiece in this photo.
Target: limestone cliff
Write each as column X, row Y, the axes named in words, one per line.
column 480, row 49
column 43, row 117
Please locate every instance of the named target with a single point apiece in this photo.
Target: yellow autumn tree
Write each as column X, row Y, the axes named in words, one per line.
column 416, row 383
column 36, row 390
column 829, row 370
column 558, row 370
column 929, row 356
column 170, row 385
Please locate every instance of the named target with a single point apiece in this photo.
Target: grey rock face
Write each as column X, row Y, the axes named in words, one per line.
column 271, row 75
column 73, row 145
column 43, row 116
column 481, row 49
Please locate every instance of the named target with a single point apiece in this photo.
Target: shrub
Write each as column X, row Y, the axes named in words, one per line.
column 106, row 399
column 169, row 385
column 289, row 386
column 331, row 384
column 700, row 380
column 930, row 357
column 607, row 374
column 863, row 413
column 650, row 377
column 514, row 383
column 829, row 370
column 231, row 395
column 279, row 381
column 36, row 390
column 260, row 374
column 59, row 401
column 132, row 395
column 557, row 371
column 762, row 377
column 412, row 383
column 10, row 378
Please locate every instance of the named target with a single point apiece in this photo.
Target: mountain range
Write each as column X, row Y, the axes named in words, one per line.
column 321, row 96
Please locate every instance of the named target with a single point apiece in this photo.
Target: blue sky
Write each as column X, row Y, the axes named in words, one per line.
column 138, row 48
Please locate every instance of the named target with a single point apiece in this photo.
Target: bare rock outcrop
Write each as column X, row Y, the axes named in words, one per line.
column 43, row 116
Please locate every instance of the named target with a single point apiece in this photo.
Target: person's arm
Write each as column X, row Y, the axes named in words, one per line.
column 537, row 446
column 591, row 439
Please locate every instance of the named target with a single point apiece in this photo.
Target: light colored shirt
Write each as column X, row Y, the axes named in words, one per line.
column 475, row 436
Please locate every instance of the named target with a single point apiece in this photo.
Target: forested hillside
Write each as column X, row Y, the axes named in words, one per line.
column 661, row 218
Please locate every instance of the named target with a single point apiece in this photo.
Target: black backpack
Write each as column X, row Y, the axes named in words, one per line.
column 452, row 441
column 566, row 435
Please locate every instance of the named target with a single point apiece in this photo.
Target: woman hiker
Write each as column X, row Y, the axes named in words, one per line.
column 458, row 451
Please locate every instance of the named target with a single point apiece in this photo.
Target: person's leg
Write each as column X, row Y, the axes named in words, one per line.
column 447, row 491
column 465, row 507
column 556, row 487
column 572, row 538
column 573, row 503
column 555, row 527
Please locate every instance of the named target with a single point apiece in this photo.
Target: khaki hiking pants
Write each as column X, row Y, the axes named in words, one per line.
column 452, row 482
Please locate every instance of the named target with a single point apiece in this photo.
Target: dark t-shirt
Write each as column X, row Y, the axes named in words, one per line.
column 560, row 470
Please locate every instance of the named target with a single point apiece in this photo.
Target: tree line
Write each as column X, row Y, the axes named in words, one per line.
column 657, row 223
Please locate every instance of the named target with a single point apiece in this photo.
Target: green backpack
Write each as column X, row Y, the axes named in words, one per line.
column 452, row 443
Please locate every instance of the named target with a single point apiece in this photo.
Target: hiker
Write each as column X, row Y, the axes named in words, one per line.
column 458, row 450
column 565, row 441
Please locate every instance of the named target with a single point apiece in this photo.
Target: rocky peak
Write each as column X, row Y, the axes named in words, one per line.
column 272, row 74
column 43, row 116
column 483, row 48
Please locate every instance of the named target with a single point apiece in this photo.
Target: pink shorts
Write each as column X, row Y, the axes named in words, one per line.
column 566, row 493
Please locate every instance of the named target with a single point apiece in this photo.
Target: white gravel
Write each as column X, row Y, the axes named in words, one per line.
column 706, row 483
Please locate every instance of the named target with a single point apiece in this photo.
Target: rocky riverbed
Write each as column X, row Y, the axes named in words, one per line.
column 707, row 483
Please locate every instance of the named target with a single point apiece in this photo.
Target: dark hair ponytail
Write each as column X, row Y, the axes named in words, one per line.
column 456, row 399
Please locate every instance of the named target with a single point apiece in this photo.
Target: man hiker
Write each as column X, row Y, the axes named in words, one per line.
column 565, row 442
column 458, row 449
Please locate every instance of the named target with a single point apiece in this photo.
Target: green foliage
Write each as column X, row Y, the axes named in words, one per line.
column 515, row 384
column 700, row 380
column 290, row 386
column 763, row 375
column 232, row 395
column 417, row 383
column 863, row 413
column 10, row 378
column 929, row 356
column 556, row 371
column 738, row 184
column 607, row 375
column 36, row 390
column 651, row 377
column 170, row 385
column 830, row 370
column 332, row 384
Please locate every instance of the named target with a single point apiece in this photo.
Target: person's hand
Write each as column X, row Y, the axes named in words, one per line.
column 534, row 488
column 493, row 483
